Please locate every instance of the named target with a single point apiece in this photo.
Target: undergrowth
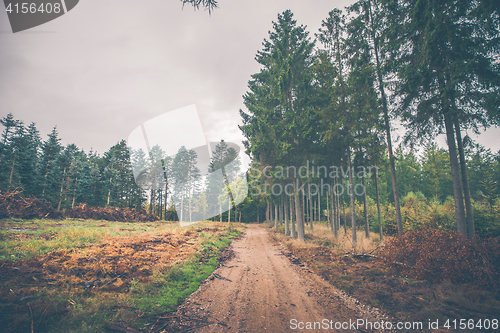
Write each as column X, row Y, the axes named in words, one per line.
column 424, row 275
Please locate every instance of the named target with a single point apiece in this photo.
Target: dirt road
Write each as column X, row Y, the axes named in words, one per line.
column 260, row 290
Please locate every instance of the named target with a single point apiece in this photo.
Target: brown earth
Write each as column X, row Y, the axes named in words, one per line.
column 118, row 259
column 261, row 290
column 102, row 270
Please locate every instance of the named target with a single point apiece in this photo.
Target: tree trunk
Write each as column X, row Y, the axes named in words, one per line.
column 182, row 205
column 336, row 209
column 74, row 193
column 303, row 208
column 377, row 194
column 44, row 184
column 465, row 183
column 285, row 211
column 61, row 190
column 351, row 195
column 455, row 175
column 267, row 212
column 281, row 211
column 11, row 171
column 298, row 212
column 387, row 128
column 292, row 232
column 275, row 216
column 365, row 207
column 165, row 201
column 311, row 209
column 319, row 207
column 109, row 193
column 231, row 197
column 166, row 188
column 333, row 205
column 328, row 217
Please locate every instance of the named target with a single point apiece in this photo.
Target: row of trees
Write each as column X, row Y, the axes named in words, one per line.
column 425, row 187
column 431, row 64
column 65, row 176
column 171, row 187
column 194, row 195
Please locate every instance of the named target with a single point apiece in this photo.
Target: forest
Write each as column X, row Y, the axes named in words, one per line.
column 354, row 209
column 328, row 103
column 333, row 101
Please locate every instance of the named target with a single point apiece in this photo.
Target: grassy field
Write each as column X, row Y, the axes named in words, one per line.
column 375, row 283
column 79, row 275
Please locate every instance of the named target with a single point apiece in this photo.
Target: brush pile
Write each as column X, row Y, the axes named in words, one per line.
column 438, row 255
column 109, row 214
column 14, row 205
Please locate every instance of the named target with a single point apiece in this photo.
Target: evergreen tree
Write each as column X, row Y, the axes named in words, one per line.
column 29, row 172
column 7, row 150
column 436, row 178
column 448, row 74
column 186, row 175
column 222, row 159
column 51, row 149
column 374, row 24
column 280, row 127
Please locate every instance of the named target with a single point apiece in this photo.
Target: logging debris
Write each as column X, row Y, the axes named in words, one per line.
column 14, row 205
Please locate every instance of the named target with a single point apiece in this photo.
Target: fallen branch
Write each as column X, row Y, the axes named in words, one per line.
column 367, row 255
column 121, row 328
column 31, row 315
column 221, row 277
column 363, row 255
column 116, row 278
column 196, row 327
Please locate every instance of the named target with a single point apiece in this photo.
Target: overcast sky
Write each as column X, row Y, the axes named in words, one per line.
column 107, row 66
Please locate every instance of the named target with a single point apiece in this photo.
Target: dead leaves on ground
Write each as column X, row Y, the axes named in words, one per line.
column 111, row 265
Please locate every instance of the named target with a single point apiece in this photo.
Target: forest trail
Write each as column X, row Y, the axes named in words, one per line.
column 266, row 293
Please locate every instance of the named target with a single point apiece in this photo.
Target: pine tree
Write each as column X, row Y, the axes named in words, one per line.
column 29, row 172
column 374, row 25
column 186, row 175
column 7, row 150
column 449, row 74
column 51, row 149
column 222, row 159
column 280, row 126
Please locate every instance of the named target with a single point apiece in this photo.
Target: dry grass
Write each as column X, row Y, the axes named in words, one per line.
column 323, row 236
column 94, row 272
column 22, row 240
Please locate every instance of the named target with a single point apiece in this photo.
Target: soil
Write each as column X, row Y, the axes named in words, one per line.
column 106, row 268
column 260, row 290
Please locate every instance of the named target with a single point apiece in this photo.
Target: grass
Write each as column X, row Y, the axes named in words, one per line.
column 26, row 239
column 169, row 288
column 143, row 269
column 323, row 236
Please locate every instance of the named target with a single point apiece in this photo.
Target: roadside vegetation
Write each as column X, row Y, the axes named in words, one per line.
column 383, row 275
column 80, row 275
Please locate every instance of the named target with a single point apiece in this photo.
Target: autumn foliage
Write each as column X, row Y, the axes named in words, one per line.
column 438, row 255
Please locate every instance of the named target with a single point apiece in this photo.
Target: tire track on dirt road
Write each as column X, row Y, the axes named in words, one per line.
column 266, row 292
